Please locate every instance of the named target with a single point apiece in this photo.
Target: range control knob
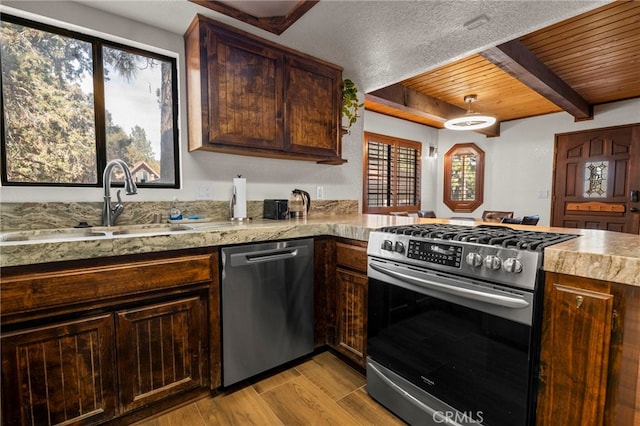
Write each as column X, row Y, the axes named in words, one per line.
column 474, row 259
column 387, row 245
column 399, row 247
column 512, row 265
column 492, row 262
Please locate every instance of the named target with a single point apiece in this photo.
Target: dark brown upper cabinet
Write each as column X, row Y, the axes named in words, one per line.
column 249, row 96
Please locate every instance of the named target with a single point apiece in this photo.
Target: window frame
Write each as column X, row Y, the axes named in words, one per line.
column 97, row 44
column 464, row 206
column 395, row 142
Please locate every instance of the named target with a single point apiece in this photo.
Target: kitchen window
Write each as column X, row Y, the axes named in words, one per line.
column 391, row 174
column 464, row 177
column 73, row 102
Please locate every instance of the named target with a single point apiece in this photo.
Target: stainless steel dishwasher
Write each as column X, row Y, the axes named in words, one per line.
column 267, row 306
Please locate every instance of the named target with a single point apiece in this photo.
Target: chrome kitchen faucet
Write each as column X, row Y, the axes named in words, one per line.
column 109, row 214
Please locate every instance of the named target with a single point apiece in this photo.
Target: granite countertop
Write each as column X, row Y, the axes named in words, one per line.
column 602, row 255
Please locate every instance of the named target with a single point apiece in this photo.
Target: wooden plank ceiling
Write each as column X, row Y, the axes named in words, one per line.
column 590, row 59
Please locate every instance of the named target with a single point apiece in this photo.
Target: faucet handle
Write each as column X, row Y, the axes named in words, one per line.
column 115, row 212
column 117, row 209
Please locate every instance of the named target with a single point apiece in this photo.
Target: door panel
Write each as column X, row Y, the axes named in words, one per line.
column 60, row 374
column 596, row 172
column 160, row 350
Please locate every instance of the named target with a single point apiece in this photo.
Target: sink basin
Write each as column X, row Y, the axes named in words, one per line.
column 71, row 234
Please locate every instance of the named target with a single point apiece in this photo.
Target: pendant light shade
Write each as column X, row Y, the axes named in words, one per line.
column 470, row 120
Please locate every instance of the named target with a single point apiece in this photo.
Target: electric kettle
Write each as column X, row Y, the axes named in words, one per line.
column 299, row 204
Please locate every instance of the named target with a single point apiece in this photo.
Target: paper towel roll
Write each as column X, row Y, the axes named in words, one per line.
column 240, row 192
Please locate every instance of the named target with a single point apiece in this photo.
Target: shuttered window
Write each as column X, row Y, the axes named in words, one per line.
column 391, row 174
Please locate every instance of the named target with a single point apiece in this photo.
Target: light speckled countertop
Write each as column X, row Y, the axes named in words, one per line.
column 602, row 255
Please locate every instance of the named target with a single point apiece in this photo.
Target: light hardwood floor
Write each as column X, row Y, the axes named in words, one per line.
column 321, row 390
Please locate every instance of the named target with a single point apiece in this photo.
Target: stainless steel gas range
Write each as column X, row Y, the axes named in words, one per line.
column 454, row 322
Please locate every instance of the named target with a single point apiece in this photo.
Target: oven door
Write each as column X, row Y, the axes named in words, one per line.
column 463, row 346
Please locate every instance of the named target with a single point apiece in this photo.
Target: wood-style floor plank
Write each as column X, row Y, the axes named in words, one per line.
column 269, row 383
column 300, row 402
column 242, row 407
column 321, row 390
column 331, row 375
column 186, row 415
column 366, row 411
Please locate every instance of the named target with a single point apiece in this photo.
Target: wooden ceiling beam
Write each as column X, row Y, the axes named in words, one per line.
column 273, row 24
column 518, row 61
column 411, row 101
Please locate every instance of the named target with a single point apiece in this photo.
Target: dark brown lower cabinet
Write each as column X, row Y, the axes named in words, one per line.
column 351, row 300
column 589, row 367
column 576, row 359
column 352, row 315
column 62, row 373
column 123, row 337
column 159, row 350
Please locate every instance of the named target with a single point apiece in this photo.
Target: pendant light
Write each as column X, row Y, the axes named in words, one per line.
column 470, row 120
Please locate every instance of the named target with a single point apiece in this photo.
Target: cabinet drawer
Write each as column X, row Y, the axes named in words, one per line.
column 352, row 256
column 30, row 292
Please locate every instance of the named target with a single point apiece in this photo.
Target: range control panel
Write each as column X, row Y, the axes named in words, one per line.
column 513, row 267
column 438, row 253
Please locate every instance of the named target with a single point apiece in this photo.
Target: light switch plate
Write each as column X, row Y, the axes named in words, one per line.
column 543, row 194
column 319, row 192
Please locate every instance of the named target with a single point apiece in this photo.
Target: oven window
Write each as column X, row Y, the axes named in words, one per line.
column 476, row 362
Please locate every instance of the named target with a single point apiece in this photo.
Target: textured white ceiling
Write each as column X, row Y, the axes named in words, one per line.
column 377, row 42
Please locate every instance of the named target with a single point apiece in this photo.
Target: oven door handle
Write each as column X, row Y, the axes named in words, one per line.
column 494, row 299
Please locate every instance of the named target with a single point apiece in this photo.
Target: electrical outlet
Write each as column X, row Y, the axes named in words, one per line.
column 204, row 191
column 319, row 192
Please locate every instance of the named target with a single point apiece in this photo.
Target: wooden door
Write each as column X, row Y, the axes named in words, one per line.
column 597, row 180
column 312, row 112
column 160, row 350
column 60, row 374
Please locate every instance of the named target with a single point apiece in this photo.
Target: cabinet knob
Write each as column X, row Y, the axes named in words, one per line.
column 579, row 300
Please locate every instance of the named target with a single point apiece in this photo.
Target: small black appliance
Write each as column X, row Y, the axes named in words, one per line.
column 275, row 209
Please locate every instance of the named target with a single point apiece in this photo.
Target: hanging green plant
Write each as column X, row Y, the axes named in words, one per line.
column 350, row 105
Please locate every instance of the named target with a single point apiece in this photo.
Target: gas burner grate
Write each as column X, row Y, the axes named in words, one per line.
column 500, row 236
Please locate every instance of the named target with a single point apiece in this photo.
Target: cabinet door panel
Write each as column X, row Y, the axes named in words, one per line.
column 159, row 350
column 245, row 94
column 59, row 374
column 352, row 314
column 312, row 108
column 574, row 364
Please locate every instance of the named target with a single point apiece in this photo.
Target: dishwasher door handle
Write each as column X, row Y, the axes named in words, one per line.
column 273, row 255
